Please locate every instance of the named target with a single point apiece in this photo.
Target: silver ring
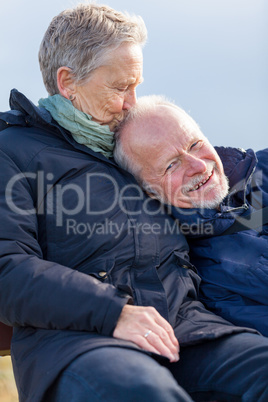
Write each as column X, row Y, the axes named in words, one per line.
column 147, row 333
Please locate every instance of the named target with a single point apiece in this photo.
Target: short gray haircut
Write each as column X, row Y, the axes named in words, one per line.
column 83, row 38
column 143, row 108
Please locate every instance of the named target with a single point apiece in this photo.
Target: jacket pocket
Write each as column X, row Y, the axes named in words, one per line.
column 100, row 269
column 183, row 263
column 190, row 276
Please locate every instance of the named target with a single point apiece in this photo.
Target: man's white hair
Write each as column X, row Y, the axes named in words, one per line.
column 144, row 107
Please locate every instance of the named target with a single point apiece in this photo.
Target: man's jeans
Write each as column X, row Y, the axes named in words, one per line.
column 232, row 368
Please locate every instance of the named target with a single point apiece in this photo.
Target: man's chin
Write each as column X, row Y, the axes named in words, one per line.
column 212, row 198
column 205, row 204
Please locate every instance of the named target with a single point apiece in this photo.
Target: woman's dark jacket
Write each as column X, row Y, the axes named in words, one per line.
column 234, row 267
column 79, row 240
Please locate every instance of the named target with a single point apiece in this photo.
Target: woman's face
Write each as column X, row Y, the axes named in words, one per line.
column 111, row 89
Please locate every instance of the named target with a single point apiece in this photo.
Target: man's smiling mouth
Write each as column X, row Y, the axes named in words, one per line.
column 201, row 183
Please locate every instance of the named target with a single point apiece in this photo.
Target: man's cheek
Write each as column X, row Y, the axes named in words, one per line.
column 175, row 192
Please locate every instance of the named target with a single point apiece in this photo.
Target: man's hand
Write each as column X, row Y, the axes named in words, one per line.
column 149, row 330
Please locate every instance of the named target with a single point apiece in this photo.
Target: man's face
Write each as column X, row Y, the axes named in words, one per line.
column 177, row 160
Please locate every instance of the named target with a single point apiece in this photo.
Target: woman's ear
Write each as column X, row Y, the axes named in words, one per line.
column 66, row 82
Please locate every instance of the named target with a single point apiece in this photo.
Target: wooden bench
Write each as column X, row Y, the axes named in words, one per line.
column 5, row 339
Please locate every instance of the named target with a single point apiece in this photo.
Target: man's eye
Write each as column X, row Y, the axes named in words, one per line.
column 194, row 144
column 170, row 166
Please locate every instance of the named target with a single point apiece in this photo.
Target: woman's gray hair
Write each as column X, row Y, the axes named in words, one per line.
column 83, row 38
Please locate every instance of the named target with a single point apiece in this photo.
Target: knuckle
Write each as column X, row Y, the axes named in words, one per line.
column 162, row 334
column 151, row 309
column 146, row 315
column 157, row 340
column 169, row 329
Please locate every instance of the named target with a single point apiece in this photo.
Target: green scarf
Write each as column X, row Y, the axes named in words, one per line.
column 85, row 131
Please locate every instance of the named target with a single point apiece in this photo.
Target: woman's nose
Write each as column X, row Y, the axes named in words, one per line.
column 195, row 165
column 129, row 100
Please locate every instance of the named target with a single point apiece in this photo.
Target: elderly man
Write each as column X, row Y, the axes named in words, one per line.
column 209, row 189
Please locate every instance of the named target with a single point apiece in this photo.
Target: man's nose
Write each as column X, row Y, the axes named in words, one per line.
column 195, row 165
column 129, row 100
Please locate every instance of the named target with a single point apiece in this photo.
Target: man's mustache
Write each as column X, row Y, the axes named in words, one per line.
column 199, row 179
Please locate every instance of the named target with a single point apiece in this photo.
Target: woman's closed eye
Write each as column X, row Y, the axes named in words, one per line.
column 123, row 89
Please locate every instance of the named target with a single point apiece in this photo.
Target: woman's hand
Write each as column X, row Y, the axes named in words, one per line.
column 148, row 329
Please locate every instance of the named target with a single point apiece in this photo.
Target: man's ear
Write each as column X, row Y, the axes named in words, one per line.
column 65, row 81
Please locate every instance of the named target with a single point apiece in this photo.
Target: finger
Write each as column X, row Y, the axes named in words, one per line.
column 160, row 350
column 136, row 321
column 163, row 345
column 154, row 321
column 144, row 344
column 165, row 331
column 138, row 339
column 161, row 336
column 169, row 336
column 168, row 332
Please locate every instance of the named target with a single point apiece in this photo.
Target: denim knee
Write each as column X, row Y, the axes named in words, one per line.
column 116, row 374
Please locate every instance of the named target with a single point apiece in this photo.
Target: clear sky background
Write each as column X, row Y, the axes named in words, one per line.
column 209, row 56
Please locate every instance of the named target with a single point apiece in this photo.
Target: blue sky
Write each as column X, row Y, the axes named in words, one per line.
column 209, row 56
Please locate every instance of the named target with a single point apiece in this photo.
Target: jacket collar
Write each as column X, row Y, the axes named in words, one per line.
column 239, row 166
column 25, row 113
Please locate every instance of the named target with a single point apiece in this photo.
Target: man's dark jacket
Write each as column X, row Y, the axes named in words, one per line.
column 79, row 240
column 234, row 267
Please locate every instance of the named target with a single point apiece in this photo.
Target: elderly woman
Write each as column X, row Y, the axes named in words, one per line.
column 97, row 294
column 58, row 183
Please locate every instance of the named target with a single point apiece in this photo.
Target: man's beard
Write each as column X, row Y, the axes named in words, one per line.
column 221, row 191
